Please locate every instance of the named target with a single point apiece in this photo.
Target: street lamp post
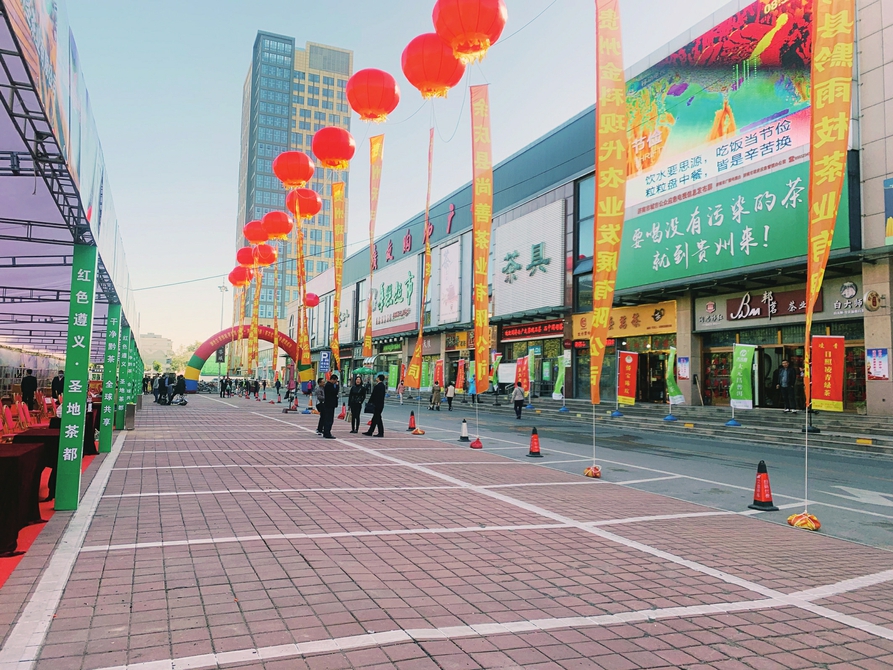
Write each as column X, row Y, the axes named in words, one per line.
column 223, row 289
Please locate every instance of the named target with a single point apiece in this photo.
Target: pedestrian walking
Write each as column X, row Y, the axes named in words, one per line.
column 171, row 388
column 400, row 389
column 223, row 387
column 319, row 397
column 264, row 384
column 330, row 404
column 450, row 394
column 785, row 381
column 57, row 387
column 518, row 399
column 436, row 392
column 377, row 401
column 355, row 400
column 256, row 389
column 278, row 390
column 29, row 388
column 155, row 383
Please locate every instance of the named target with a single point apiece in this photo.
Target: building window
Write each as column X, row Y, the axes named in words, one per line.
column 342, row 83
column 313, row 102
column 328, row 81
column 583, row 293
column 328, row 104
column 304, row 125
column 300, row 76
column 308, row 267
column 328, row 93
column 298, row 99
column 585, row 219
column 319, row 116
column 321, row 266
column 297, row 139
column 313, row 77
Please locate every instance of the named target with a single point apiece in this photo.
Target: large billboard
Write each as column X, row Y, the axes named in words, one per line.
column 719, row 150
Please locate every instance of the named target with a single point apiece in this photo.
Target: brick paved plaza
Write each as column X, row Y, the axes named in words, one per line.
column 228, row 535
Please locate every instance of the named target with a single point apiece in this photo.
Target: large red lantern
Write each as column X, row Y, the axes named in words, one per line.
column 470, row 27
column 293, row 168
column 241, row 276
column 265, row 255
column 429, row 65
column 373, row 94
column 312, row 300
column 334, row 147
column 254, row 232
column 245, row 257
column 309, row 201
column 276, row 225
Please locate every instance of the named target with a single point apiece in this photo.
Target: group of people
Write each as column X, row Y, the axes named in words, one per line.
column 327, row 393
column 165, row 389
column 437, row 396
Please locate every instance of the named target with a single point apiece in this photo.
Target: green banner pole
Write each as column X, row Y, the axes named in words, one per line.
column 123, row 348
column 109, row 378
column 77, row 377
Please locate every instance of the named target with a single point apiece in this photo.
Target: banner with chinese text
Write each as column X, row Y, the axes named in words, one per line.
column 877, row 365
column 832, row 86
column 438, row 371
column 673, row 392
column 109, row 377
column 482, row 222
column 610, row 186
column 627, row 377
column 460, row 376
column 828, row 361
column 741, row 381
column 376, row 155
column 338, row 241
column 522, row 373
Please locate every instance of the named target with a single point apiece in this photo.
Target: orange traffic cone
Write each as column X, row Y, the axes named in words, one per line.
column 534, row 445
column 343, row 413
column 411, row 420
column 265, row 396
column 278, row 399
column 762, row 494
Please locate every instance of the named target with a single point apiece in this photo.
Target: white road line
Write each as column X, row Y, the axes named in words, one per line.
column 659, row 517
column 645, row 481
column 26, row 638
column 237, row 451
column 228, row 404
column 279, row 466
column 163, row 494
column 831, row 590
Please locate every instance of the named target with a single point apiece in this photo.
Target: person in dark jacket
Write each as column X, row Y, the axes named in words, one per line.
column 180, row 388
column 58, row 385
column 329, row 406
column 785, row 381
column 377, row 400
column 319, row 398
column 29, row 388
column 355, row 401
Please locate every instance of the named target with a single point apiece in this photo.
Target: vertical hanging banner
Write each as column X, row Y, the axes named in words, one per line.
column 438, row 371
column 741, row 381
column 610, row 186
column 338, row 240
column 376, row 155
column 522, row 373
column 494, row 368
column 304, row 367
column 827, row 391
column 109, row 377
column 77, row 376
column 255, row 316
column 460, row 376
column 831, row 98
column 413, row 375
column 482, row 224
column 123, row 345
column 673, row 392
column 627, row 377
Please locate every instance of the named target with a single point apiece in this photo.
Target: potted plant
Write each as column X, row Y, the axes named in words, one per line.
column 861, row 408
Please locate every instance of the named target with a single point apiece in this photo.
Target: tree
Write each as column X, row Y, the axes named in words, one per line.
column 156, row 366
column 182, row 355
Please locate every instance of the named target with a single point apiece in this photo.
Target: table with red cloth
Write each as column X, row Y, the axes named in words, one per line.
column 48, row 438
column 20, row 470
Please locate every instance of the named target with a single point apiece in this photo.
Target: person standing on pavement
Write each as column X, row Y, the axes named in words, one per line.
column 58, row 385
column 223, row 387
column 319, row 397
column 518, row 399
column 330, row 404
column 377, row 401
column 400, row 388
column 29, row 388
column 278, row 386
column 785, row 381
column 355, row 400
column 450, row 394
column 435, row 397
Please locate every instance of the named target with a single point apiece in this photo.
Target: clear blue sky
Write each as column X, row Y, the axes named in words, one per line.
column 165, row 80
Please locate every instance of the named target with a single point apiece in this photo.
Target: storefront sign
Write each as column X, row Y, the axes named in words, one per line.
column 740, row 384
column 632, row 321
column 673, row 392
column 532, row 331
column 395, row 298
column 430, row 345
column 683, row 368
column 769, row 305
column 459, row 341
column 877, row 363
column 391, row 347
column 626, row 380
column 482, row 223
column 827, row 380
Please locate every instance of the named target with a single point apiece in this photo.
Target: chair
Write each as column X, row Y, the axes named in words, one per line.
column 10, row 426
column 19, row 416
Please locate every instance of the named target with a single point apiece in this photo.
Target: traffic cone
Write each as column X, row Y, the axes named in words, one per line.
column 762, row 494
column 534, row 445
column 265, row 396
column 278, row 399
column 477, row 444
column 463, row 437
column 411, row 420
column 343, row 413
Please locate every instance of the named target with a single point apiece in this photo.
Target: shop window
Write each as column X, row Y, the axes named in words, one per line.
column 583, row 293
column 639, row 344
column 852, row 330
column 717, row 372
column 797, row 334
column 723, row 339
column 762, row 336
column 584, row 219
column 553, row 349
column 854, row 384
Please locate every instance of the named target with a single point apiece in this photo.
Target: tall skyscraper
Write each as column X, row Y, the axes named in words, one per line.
column 288, row 95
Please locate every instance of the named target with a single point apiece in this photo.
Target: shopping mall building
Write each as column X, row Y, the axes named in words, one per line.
column 714, row 242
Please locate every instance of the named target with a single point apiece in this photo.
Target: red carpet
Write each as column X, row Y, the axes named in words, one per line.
column 29, row 533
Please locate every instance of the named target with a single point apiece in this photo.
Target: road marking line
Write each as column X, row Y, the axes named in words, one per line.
column 163, row 494
column 239, row 451
column 27, row 637
column 645, row 481
column 659, row 517
column 281, row 466
column 228, row 404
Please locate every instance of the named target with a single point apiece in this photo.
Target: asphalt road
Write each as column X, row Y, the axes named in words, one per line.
column 851, row 494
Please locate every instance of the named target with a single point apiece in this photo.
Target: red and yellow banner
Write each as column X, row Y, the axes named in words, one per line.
column 522, row 373
column 626, row 377
column 827, row 392
column 306, row 373
column 338, row 242
column 376, row 154
column 832, row 86
column 438, row 371
column 610, row 185
column 482, row 221
column 252, row 332
column 460, row 376
column 414, row 373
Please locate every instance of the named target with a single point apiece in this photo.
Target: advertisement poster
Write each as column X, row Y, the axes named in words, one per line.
column 673, row 392
column 558, row 391
column 683, row 368
column 827, row 379
column 426, row 376
column 449, row 283
column 438, row 371
column 393, row 372
column 741, row 382
column 626, row 381
column 460, row 376
column 878, row 365
column 522, row 373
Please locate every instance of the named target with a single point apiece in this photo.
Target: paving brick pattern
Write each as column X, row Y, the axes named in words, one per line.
column 467, row 577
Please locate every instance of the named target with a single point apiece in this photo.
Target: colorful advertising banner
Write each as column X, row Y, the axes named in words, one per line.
column 877, row 364
column 673, row 392
column 741, row 381
column 482, row 222
column 438, row 371
column 426, row 376
column 339, row 241
column 494, row 368
column 393, row 374
column 627, row 377
column 611, row 172
column 376, row 155
column 109, row 377
column 558, row 388
column 683, row 368
column 522, row 373
column 832, row 90
column 828, row 353
column 460, row 376
column 305, row 368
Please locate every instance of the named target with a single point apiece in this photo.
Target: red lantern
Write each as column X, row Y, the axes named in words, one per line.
column 470, row 27
column 293, row 168
column 373, row 94
column 276, row 225
column 245, row 257
column 265, row 255
column 312, row 300
column 241, row 276
column 429, row 65
column 309, row 201
column 254, row 232
column 334, row 147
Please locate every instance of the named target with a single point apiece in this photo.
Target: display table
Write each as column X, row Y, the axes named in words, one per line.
column 48, row 438
column 20, row 470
